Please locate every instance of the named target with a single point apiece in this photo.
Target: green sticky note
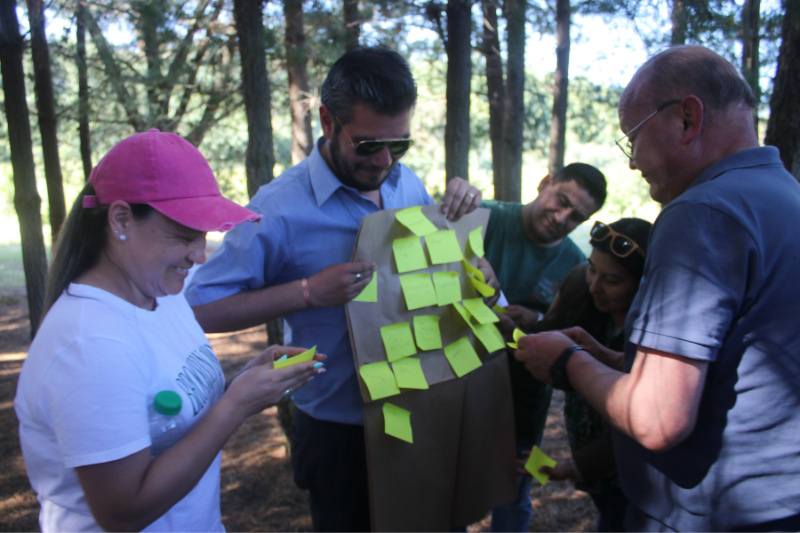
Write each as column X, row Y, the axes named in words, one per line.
column 478, row 309
column 408, row 254
column 462, row 357
column 443, row 247
column 370, row 292
column 481, row 287
column 398, row 341
column 476, row 241
column 304, row 357
column 463, row 312
column 473, row 271
column 490, row 337
column 426, row 331
column 537, row 459
column 418, row 290
column 398, row 422
column 448, row 287
column 497, row 309
column 408, row 373
column 517, row 335
column 379, row 380
column 413, row 219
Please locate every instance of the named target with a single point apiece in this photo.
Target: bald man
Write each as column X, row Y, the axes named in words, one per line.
column 707, row 409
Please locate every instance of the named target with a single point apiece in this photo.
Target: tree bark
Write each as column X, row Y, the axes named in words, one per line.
column 352, row 22
column 495, row 88
column 26, row 198
column 459, row 74
column 558, row 123
column 679, row 22
column 260, row 158
column 83, row 90
column 783, row 128
column 295, row 39
column 48, row 120
column 751, row 26
column 513, row 108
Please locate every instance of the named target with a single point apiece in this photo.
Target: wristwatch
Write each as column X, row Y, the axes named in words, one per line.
column 558, row 372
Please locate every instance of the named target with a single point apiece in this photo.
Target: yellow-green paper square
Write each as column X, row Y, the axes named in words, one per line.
column 408, row 254
column 304, row 357
column 397, row 422
column 463, row 312
column 379, row 380
column 489, row 336
column 479, row 311
column 408, row 373
column 443, row 247
column 426, row 331
column 418, row 290
column 370, row 292
column 485, row 290
column 448, row 287
column 462, row 357
column 413, row 219
column 473, row 271
column 398, row 340
column 476, row 241
column 537, row 459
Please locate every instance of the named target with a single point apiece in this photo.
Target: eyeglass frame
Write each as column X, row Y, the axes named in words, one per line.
column 613, row 233
column 628, row 150
column 386, row 142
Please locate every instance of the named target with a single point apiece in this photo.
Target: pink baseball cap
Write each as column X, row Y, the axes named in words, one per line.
column 168, row 173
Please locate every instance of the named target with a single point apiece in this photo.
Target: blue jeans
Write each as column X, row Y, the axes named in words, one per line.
column 516, row 516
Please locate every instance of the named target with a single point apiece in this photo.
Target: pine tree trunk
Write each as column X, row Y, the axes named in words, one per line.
column 558, row 124
column 679, row 22
column 513, row 107
column 751, row 25
column 83, row 90
column 26, row 198
column 495, row 88
column 352, row 22
column 459, row 74
column 783, row 128
column 295, row 39
column 48, row 121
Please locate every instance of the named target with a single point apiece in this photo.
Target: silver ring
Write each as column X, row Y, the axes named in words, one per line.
column 471, row 195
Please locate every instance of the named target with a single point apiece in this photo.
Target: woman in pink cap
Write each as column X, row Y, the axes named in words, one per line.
column 123, row 406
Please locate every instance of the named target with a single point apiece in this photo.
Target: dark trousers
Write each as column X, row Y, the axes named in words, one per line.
column 330, row 461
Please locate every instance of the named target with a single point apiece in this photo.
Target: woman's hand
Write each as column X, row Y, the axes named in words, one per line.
column 608, row 357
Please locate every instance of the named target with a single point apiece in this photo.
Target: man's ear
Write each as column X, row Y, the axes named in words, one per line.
column 545, row 183
column 326, row 121
column 691, row 112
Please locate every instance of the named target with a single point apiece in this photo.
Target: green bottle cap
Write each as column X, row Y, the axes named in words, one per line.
column 167, row 403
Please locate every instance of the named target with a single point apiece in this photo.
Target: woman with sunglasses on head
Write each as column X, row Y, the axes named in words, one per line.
column 594, row 300
column 123, row 406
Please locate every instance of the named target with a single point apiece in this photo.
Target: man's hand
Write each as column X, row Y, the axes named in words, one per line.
column 460, row 198
column 338, row 284
column 523, row 317
column 539, row 352
column 491, row 280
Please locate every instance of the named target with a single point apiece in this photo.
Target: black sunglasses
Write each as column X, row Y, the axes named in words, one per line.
column 621, row 245
column 373, row 146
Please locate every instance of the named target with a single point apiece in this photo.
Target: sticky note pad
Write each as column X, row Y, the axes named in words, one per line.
column 397, row 422
column 370, row 292
column 473, row 271
column 537, row 459
column 476, row 241
column 462, row 357
column 418, row 290
column 479, row 311
column 481, row 287
column 408, row 254
column 304, row 357
column 413, row 219
column 398, row 341
column 490, row 337
column 379, row 380
column 408, row 374
column 448, row 287
column 426, row 331
column 443, row 247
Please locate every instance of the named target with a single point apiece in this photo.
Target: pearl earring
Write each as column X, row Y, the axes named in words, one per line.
column 122, row 237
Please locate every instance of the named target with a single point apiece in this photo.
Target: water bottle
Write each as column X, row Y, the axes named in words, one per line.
column 166, row 424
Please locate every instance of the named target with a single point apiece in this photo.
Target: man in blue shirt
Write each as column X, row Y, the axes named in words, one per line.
column 295, row 264
column 707, row 411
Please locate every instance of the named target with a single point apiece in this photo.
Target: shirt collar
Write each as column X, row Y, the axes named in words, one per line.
column 752, row 157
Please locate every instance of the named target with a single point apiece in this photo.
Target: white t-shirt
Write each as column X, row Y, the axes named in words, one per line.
column 93, row 369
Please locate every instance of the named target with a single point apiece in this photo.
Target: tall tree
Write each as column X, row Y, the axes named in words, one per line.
column 295, row 40
column 48, row 121
column 26, row 198
column 558, row 122
column 495, row 87
column 750, row 37
column 352, row 22
column 513, row 109
column 83, row 89
column 679, row 22
column 459, row 74
column 783, row 128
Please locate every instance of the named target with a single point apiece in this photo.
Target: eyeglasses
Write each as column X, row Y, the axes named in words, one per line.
column 372, row 147
column 621, row 245
column 627, row 147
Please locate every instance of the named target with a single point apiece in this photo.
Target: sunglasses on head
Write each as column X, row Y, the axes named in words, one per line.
column 621, row 245
column 373, row 146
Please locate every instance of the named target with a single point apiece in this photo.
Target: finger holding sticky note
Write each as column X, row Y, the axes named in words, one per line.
column 370, row 292
column 443, row 247
column 408, row 254
column 397, row 422
column 304, row 357
column 536, row 460
column 418, row 290
column 413, row 219
column 379, row 380
column 398, row 341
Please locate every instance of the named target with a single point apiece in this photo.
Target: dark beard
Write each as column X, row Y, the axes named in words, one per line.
column 345, row 176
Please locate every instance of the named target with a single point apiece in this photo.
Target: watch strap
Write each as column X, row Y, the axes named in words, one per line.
column 558, row 371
